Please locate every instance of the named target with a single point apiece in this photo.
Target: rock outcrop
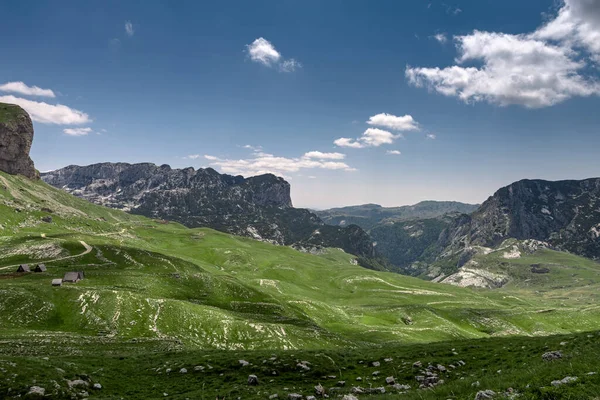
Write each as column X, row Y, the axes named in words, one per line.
column 16, row 136
column 259, row 207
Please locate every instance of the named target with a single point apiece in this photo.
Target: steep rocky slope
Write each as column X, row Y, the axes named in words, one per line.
column 16, row 136
column 566, row 214
column 259, row 207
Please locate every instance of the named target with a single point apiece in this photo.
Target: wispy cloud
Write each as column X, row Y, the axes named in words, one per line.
column 262, row 163
column 49, row 113
column 440, row 37
column 192, row 157
column 22, row 88
column 129, row 29
column 263, row 52
column 431, row 136
column 77, row 131
column 324, row 156
column 289, row 65
column 393, row 152
column 537, row 69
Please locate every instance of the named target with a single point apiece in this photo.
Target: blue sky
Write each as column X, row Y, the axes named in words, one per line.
column 473, row 94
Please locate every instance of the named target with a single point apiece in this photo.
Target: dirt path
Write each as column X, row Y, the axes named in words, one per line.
column 88, row 249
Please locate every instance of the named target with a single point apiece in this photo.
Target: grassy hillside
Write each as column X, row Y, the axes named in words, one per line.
column 158, row 287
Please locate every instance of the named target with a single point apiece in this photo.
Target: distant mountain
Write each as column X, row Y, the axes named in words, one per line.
column 368, row 215
column 403, row 235
column 259, row 207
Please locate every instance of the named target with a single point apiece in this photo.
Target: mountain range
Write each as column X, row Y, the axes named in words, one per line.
column 259, row 207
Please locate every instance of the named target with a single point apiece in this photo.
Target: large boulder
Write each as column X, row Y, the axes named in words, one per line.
column 16, row 136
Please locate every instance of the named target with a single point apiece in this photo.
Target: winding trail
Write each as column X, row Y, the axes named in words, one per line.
column 88, row 249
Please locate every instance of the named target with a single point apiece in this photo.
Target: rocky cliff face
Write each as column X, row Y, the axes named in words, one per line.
column 565, row 214
column 16, row 136
column 259, row 207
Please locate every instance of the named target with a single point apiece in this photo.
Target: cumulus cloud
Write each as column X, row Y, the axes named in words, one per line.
column 393, row 152
column 536, row 69
column 22, row 88
column 77, row 131
column 324, row 156
column 129, row 30
column 372, row 137
column 262, row 51
column 262, row 163
column 404, row 123
column 49, row 113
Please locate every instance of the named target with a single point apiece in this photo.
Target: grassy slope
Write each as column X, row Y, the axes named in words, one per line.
column 231, row 293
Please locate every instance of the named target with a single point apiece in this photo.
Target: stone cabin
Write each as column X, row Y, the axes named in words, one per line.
column 23, row 268
column 41, row 268
column 73, row 277
column 57, row 282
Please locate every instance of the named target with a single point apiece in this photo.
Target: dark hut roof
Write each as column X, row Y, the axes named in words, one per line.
column 73, row 276
column 41, row 268
column 23, row 268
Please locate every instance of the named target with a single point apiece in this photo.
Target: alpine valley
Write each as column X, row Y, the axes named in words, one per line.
column 200, row 285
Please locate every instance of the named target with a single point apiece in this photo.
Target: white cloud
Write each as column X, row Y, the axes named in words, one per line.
column 262, row 51
column 77, row 131
column 440, row 37
column 289, row 65
column 537, row 69
column 347, row 142
column 404, row 123
column 393, row 152
column 22, row 88
column 263, row 163
column 324, row 156
column 129, row 28
column 48, row 113
column 372, row 137
column 192, row 157
column 431, row 136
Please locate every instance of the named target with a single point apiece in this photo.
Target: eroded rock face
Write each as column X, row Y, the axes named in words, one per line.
column 16, row 136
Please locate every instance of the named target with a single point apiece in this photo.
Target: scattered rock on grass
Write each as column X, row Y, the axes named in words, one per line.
column 252, row 380
column 552, row 355
column 36, row 391
column 564, row 381
column 319, row 390
column 294, row 396
column 376, row 363
column 349, row 397
column 244, row 363
column 485, row 394
column 390, row 380
column 97, row 386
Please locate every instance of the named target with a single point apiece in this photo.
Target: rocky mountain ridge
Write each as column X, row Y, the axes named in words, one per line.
column 565, row 214
column 259, row 207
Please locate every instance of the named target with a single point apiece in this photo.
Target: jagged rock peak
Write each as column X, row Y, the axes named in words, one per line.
column 16, row 136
